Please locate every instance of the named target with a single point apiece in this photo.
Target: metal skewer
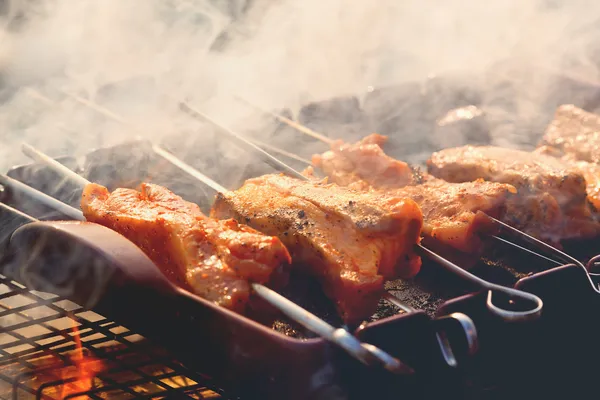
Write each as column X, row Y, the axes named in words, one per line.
column 242, row 141
column 257, row 146
column 364, row 352
column 289, row 122
column 277, row 150
column 41, row 197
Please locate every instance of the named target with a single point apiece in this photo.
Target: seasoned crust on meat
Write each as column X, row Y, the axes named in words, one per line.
column 323, row 227
column 214, row 259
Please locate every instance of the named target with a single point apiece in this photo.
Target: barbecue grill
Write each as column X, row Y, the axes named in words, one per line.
column 38, row 340
column 517, row 359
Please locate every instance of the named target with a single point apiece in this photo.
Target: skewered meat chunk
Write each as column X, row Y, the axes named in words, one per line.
column 591, row 173
column 574, row 136
column 344, row 238
column 551, row 202
column 531, row 171
column 364, row 164
column 214, row 259
column 453, row 212
column 574, row 132
column 589, row 170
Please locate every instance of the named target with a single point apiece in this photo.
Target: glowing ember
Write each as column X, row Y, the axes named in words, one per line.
column 81, row 378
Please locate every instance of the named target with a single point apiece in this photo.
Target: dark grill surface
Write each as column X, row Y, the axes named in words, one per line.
column 37, row 343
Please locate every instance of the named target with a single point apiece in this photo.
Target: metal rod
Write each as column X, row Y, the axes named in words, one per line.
column 42, row 158
column 188, row 169
column 532, row 312
column 525, row 249
column 274, row 162
column 538, row 243
column 99, row 109
column 287, row 121
column 41, row 197
column 278, row 150
column 25, row 217
column 240, row 140
column 396, row 301
column 367, row 354
column 455, row 269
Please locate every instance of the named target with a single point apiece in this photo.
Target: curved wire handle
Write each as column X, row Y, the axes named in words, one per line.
column 470, row 331
column 535, row 310
column 592, row 274
column 531, row 312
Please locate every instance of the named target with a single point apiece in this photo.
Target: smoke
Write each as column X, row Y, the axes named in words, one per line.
column 127, row 55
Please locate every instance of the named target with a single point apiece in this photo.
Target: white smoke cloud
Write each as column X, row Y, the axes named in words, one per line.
column 125, row 54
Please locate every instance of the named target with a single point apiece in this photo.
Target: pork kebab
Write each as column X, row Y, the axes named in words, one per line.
column 552, row 202
column 345, row 238
column 454, row 214
column 391, row 233
column 347, row 242
column 215, row 259
column 342, row 237
column 195, row 249
column 539, row 197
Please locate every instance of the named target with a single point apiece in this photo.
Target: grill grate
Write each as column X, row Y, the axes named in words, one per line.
column 39, row 335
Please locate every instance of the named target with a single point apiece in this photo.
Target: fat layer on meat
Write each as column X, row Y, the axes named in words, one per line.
column 212, row 258
column 324, row 228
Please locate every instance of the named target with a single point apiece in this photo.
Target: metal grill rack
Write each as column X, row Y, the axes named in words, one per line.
column 37, row 340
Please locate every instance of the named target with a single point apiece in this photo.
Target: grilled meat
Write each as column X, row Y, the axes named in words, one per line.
column 589, row 170
column 591, row 173
column 453, row 212
column 363, row 165
column 574, row 136
column 574, row 132
column 342, row 237
column 524, row 170
column 214, row 259
column 551, row 202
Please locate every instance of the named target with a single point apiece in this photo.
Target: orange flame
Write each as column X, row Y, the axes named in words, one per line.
column 80, row 379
